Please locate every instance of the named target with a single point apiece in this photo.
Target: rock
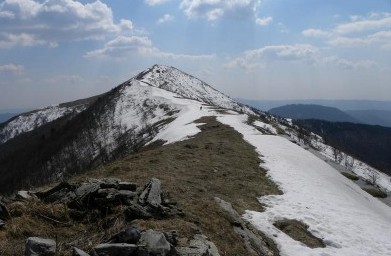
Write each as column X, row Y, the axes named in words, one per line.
column 155, row 243
column 136, row 211
column 110, row 183
column 126, row 195
column 36, row 246
column 4, row 213
column 25, row 195
column 2, row 223
column 255, row 244
column 130, row 236
column 172, row 237
column 199, row 246
column 152, row 193
column 78, row 252
column 123, row 185
column 55, row 193
column 117, row 249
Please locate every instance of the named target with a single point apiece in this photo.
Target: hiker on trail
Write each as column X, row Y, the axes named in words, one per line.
column 201, row 108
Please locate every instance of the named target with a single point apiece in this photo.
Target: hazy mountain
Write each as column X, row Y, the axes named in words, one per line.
column 312, row 112
column 58, row 141
column 343, row 105
column 374, row 117
column 6, row 116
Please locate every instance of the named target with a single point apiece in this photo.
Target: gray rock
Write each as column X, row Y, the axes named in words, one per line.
column 25, row 195
column 136, row 211
column 152, row 193
column 123, row 185
column 2, row 223
column 126, row 195
column 109, row 183
column 199, row 246
column 36, row 246
column 255, row 244
column 155, row 243
column 131, row 235
column 78, row 252
column 4, row 214
column 118, row 249
column 86, row 189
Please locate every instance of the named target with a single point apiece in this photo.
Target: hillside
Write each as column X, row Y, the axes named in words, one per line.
column 319, row 112
column 56, row 142
column 220, row 179
column 372, row 117
column 369, row 143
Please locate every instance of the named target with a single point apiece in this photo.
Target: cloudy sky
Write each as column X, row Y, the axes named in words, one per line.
column 53, row 51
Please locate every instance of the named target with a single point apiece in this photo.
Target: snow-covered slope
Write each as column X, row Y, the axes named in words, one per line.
column 32, row 120
column 187, row 86
column 347, row 219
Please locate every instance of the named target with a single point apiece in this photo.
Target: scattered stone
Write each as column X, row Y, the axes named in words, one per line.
column 131, row 235
column 110, row 183
column 4, row 214
column 172, row 237
column 155, row 243
column 36, row 246
column 254, row 242
column 152, row 193
column 123, row 185
column 25, row 195
column 2, row 223
column 136, row 211
column 118, row 249
column 199, row 246
column 78, row 252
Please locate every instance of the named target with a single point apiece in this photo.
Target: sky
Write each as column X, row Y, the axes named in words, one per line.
column 53, row 51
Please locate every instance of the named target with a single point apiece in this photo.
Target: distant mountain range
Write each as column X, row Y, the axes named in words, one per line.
column 299, row 111
column 343, row 105
column 311, row 111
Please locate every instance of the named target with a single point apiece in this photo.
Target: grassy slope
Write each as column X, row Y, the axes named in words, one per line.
column 216, row 162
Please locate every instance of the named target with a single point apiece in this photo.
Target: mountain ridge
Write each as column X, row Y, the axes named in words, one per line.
column 312, row 111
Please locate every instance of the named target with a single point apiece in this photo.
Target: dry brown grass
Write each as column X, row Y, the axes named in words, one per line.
column 216, row 162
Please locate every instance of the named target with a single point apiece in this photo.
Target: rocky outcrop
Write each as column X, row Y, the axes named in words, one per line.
column 254, row 242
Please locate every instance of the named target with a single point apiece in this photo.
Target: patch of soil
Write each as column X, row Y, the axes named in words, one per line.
column 299, row 232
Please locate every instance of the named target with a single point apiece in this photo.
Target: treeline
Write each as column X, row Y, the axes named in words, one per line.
column 368, row 143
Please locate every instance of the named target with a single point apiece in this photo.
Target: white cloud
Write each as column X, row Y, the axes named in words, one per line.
column 259, row 58
column 11, row 68
column 53, row 21
column 215, row 9
column 348, row 42
column 156, row 2
column 123, row 47
column 364, row 25
column 317, row 33
column 360, row 31
column 283, row 52
column 264, row 21
column 347, row 64
column 165, row 18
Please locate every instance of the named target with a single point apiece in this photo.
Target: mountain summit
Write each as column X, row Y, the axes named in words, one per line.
column 71, row 137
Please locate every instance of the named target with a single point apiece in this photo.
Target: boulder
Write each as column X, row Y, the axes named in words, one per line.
column 136, row 211
column 25, row 195
column 109, row 183
column 199, row 246
column 4, row 213
column 123, row 185
column 78, row 252
column 152, row 193
column 2, row 223
column 117, row 249
column 155, row 243
column 36, row 246
column 130, row 236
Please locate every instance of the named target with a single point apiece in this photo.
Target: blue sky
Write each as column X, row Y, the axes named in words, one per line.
column 54, row 51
